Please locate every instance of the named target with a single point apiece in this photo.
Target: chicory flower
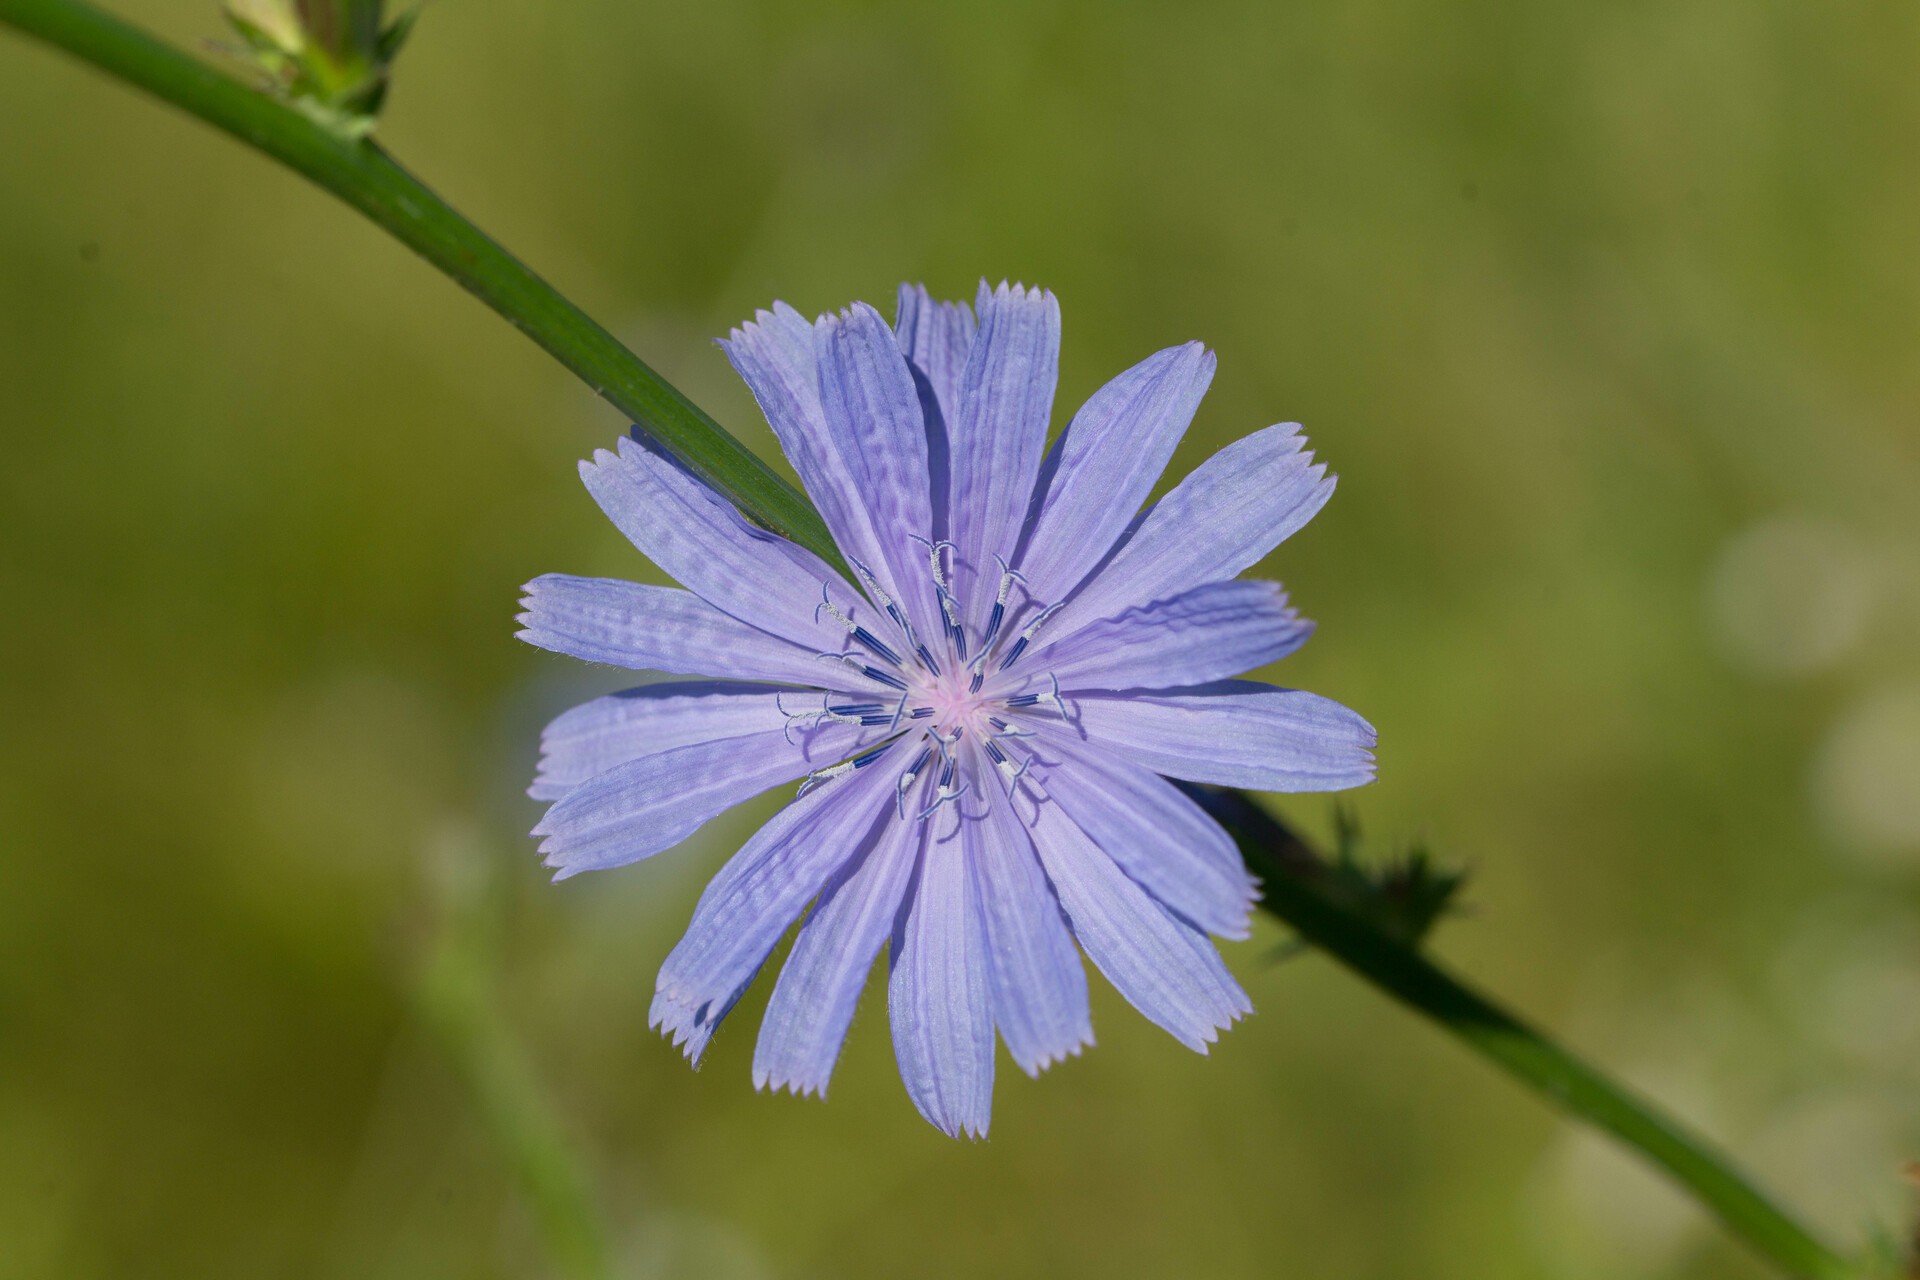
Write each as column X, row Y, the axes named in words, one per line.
column 983, row 720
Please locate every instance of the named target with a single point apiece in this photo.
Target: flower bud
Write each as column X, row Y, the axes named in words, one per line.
column 330, row 58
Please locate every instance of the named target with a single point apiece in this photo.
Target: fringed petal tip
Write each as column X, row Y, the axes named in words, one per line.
column 601, row 458
column 690, row 1029
column 1014, row 291
column 1240, row 927
column 765, row 1082
column 1054, row 1059
column 1203, row 1044
column 556, row 861
column 957, row 1127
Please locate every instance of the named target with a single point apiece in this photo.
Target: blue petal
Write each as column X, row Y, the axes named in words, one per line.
column 1209, row 633
column 1233, row 509
column 937, row 997
column 778, row 355
column 1163, row 840
column 1000, row 433
column 936, row 337
column 1236, row 733
column 663, row 629
column 703, row 543
column 1038, row 984
column 873, row 413
column 1105, row 463
column 813, row 1002
column 761, row 890
column 640, row 808
column 1166, row 968
column 598, row 735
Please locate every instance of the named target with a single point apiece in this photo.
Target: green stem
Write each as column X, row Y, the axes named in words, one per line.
column 363, row 176
column 1293, row 892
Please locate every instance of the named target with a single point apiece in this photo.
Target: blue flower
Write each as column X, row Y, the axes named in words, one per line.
column 982, row 724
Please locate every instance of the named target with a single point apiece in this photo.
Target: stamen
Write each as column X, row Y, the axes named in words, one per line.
column 1008, row 577
column 1034, row 699
column 833, row 610
column 874, row 645
column 820, row 777
column 1027, row 634
column 804, row 719
column 944, row 790
column 907, row 780
column 1006, row 766
column 872, row 673
column 868, row 756
column 886, row 603
column 933, row 558
column 945, row 795
column 807, row 720
column 839, row 715
column 943, row 592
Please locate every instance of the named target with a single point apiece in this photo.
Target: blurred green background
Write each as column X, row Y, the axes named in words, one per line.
column 1607, row 317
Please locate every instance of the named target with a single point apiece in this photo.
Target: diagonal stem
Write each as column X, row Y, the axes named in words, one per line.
column 366, row 178
column 1276, row 854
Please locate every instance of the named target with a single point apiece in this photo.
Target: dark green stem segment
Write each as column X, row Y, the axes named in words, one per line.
column 363, row 176
column 1294, row 891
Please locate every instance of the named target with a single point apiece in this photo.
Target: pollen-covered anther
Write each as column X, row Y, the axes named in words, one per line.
column 907, row 778
column 820, row 777
column 800, row 719
column 938, row 570
column 998, row 615
column 1002, row 761
column 887, row 606
column 856, row 661
column 1050, row 698
column 943, row 592
column 832, row 610
column 857, row 633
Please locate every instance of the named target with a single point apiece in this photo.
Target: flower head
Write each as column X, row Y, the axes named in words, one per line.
column 982, row 721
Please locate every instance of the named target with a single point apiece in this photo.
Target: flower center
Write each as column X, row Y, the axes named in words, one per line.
column 956, row 706
column 955, row 694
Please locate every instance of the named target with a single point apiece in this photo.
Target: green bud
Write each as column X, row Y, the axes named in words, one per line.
column 330, row 58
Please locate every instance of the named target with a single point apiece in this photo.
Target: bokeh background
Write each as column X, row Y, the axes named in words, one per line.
column 1607, row 317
